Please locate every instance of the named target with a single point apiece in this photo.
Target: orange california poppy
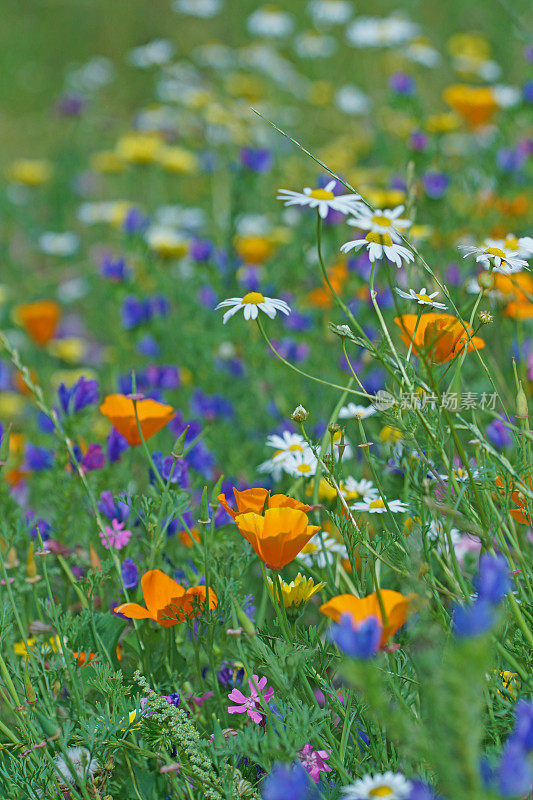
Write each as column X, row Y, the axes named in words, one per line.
column 321, row 297
column 254, row 500
column 521, row 513
column 39, row 319
column 278, row 536
column 475, row 104
column 84, row 659
column 360, row 608
column 120, row 411
column 517, row 287
column 167, row 602
column 518, row 310
column 186, row 537
column 440, row 337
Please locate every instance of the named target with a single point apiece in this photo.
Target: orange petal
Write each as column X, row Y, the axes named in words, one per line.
column 120, row 411
column 188, row 605
column 158, row 589
column 133, row 611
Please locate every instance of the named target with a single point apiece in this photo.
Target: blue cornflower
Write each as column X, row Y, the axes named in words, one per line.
column 492, row 582
column 116, row 444
column 38, row 459
column 256, row 159
column 130, row 573
column 514, row 774
column 357, row 641
column 114, row 269
column 288, row 783
column 473, row 620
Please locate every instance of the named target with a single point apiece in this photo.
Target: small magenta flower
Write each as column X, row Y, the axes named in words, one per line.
column 115, row 536
column 314, row 761
column 251, row 705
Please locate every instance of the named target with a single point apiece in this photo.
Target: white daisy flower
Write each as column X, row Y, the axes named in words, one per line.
column 379, row 245
column 322, row 550
column 377, row 506
column 352, row 489
column 311, row 44
column 251, row 304
column 155, row 53
column 353, row 411
column 197, row 8
column 351, row 100
column 380, row 31
column 300, row 464
column 422, row 297
column 387, row 786
column 270, row 22
column 272, row 467
column 321, row 199
column 288, row 442
column 387, row 220
column 501, row 259
column 523, row 248
column 59, row 244
column 330, row 12
column 421, row 52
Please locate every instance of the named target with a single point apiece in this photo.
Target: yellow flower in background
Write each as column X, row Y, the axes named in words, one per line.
column 178, row 160
column 118, row 212
column 71, row 349
column 510, row 682
column 384, row 198
column 472, row 45
column 140, row 148
column 321, row 93
column 297, row 592
column 442, row 123
column 167, row 242
column 53, row 644
column 186, row 376
column 246, row 86
column 254, row 249
column 390, row 434
column 11, row 404
column 108, row 162
column 30, row 171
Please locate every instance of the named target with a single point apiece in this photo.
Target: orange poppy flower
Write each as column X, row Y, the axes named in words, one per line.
column 440, row 337
column 84, row 659
column 187, row 539
column 517, row 287
column 321, row 297
column 519, row 514
column 120, row 411
column 518, row 310
column 278, row 536
column 167, row 601
column 475, row 104
column 39, row 319
column 254, row 500
column 396, row 607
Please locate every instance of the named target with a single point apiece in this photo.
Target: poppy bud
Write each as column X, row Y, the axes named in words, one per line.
column 179, row 444
column 31, row 697
column 204, row 509
column 95, row 561
column 245, row 621
column 216, row 491
column 521, row 403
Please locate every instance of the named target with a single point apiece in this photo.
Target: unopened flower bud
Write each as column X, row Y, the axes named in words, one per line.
column 486, row 281
column 485, row 317
column 333, row 428
column 299, row 414
column 31, row 697
column 521, row 403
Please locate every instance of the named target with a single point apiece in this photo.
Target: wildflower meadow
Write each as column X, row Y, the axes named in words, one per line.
column 266, row 363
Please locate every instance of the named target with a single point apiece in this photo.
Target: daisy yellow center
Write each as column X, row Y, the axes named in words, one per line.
column 253, row 298
column 381, row 219
column 322, row 194
column 377, row 503
column 383, row 239
column 310, row 547
column 425, row 297
column 495, row 251
column 304, row 468
column 296, row 447
column 380, row 791
column 512, row 243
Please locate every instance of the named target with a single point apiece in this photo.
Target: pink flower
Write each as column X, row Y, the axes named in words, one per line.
column 314, row 761
column 116, row 536
column 251, row 705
